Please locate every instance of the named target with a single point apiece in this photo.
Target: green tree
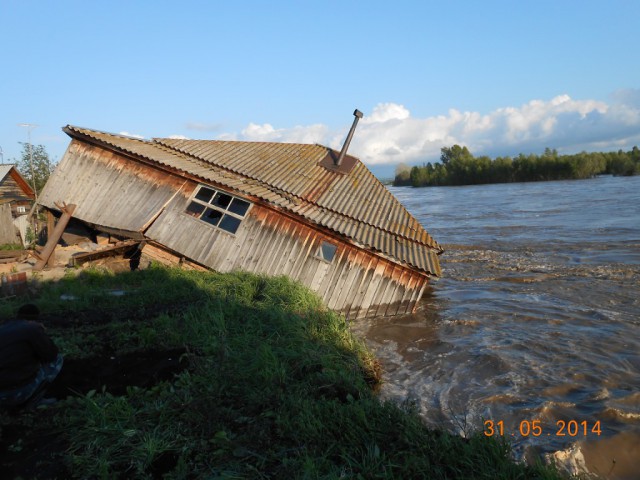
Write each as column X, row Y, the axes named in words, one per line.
column 459, row 167
column 453, row 154
column 419, row 176
column 36, row 173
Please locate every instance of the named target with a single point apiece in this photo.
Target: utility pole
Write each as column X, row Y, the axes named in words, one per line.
column 31, row 126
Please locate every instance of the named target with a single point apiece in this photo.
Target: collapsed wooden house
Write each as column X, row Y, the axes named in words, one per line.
column 16, row 198
column 274, row 208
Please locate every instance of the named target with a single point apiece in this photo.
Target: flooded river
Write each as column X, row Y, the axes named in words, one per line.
column 534, row 329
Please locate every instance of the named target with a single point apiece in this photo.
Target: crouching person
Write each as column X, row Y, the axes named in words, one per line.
column 29, row 360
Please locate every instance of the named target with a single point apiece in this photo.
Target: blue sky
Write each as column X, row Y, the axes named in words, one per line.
column 500, row 77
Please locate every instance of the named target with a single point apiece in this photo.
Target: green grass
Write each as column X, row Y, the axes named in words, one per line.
column 277, row 387
column 11, row 246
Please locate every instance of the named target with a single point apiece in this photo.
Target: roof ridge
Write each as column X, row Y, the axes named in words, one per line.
column 119, row 135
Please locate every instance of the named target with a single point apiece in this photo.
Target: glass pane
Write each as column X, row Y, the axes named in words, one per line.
column 195, row 209
column 229, row 223
column 328, row 251
column 212, row 216
column 239, row 206
column 205, row 194
column 221, row 200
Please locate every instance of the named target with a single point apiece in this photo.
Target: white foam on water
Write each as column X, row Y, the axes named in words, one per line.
column 615, row 457
column 571, row 460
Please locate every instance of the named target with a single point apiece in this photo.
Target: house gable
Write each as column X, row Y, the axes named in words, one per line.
column 13, row 186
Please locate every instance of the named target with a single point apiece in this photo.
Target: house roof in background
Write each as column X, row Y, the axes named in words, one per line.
column 10, row 169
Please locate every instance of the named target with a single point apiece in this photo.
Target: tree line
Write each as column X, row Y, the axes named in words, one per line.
column 458, row 166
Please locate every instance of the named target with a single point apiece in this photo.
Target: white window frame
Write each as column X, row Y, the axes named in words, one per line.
column 224, row 211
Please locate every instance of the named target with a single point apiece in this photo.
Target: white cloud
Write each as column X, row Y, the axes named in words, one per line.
column 132, row 135
column 390, row 134
column 178, row 137
column 298, row 134
column 383, row 112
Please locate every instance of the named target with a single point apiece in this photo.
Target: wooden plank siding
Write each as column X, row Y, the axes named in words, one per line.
column 14, row 191
column 114, row 192
column 9, row 188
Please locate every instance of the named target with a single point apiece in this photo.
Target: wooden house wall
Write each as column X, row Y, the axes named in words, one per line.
column 11, row 191
column 108, row 189
column 9, row 188
column 356, row 282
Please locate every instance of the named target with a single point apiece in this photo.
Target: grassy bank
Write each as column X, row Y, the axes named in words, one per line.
column 260, row 382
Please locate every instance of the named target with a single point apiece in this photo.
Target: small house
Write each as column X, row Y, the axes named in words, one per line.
column 16, row 199
column 300, row 210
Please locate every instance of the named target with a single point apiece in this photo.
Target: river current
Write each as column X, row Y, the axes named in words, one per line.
column 535, row 323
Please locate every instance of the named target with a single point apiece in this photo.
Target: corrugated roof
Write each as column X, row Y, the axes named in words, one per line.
column 289, row 176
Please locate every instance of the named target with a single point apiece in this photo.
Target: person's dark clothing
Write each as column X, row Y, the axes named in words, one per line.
column 24, row 349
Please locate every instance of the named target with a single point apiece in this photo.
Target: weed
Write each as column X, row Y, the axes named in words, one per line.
column 11, row 246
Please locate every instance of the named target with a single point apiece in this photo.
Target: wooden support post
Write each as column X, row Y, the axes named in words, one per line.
column 51, row 224
column 52, row 241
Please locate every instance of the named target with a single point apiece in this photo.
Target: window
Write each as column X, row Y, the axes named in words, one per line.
column 219, row 209
column 326, row 251
column 21, row 209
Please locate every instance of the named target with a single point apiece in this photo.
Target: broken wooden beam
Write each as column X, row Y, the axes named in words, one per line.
column 51, row 225
column 120, row 247
column 11, row 256
column 54, row 237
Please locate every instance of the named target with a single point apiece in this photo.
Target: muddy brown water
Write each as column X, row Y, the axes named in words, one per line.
column 535, row 325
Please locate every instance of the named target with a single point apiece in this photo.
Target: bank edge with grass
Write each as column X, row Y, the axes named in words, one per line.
column 273, row 385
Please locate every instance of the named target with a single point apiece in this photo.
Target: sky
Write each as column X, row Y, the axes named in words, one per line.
column 499, row 77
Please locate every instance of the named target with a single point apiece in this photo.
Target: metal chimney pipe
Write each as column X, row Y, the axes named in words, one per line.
column 358, row 114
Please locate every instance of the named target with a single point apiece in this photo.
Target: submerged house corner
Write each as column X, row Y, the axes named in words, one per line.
column 264, row 207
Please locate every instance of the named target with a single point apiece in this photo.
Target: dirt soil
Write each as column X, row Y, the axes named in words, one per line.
column 63, row 256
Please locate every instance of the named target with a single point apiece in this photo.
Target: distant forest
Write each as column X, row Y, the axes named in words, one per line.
column 458, row 166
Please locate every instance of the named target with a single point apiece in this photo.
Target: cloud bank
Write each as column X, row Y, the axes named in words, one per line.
column 389, row 134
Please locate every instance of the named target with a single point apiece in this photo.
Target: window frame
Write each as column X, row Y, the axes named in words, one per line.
column 320, row 253
column 223, row 211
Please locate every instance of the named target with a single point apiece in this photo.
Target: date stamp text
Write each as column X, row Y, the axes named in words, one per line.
column 535, row 428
